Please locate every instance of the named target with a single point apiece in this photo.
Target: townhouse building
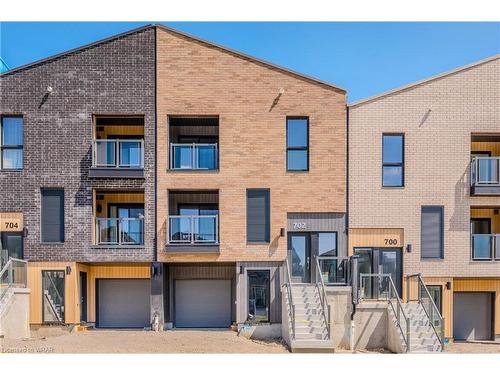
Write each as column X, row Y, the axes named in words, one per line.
column 155, row 179
column 250, row 158
column 77, row 179
column 424, row 193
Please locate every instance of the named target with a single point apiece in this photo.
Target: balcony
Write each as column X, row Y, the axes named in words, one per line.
column 193, row 222
column 193, row 156
column 120, row 231
column 118, row 147
column 485, row 247
column 119, row 218
column 193, row 143
column 194, row 229
column 485, row 176
column 485, row 165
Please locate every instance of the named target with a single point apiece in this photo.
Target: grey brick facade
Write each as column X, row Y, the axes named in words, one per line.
column 115, row 76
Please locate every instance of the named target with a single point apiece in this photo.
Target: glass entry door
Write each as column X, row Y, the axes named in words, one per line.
column 299, row 256
column 379, row 261
column 53, row 296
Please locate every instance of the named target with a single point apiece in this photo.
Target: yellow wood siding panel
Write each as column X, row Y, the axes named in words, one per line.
column 11, row 221
column 493, row 147
column 375, row 237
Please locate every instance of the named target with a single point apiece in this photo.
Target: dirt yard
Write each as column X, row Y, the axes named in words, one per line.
column 56, row 340
column 469, row 347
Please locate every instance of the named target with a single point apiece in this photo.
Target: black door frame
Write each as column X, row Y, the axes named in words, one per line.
column 62, row 295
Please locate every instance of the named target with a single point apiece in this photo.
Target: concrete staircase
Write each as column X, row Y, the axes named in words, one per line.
column 311, row 332
column 423, row 338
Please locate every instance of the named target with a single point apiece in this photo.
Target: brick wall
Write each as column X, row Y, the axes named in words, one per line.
column 197, row 79
column 437, row 156
column 114, row 77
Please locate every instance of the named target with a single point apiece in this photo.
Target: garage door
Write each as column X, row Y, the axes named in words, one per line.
column 472, row 316
column 202, row 303
column 123, row 303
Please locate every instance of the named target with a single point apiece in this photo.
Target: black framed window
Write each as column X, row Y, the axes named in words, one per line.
column 258, row 295
column 432, row 232
column 258, row 215
column 297, row 143
column 52, row 217
column 11, row 142
column 393, row 160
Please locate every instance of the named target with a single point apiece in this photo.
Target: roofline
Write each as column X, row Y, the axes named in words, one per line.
column 76, row 50
column 183, row 34
column 251, row 58
column 423, row 81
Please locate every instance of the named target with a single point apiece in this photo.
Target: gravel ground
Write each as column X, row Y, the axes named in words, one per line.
column 469, row 347
column 129, row 341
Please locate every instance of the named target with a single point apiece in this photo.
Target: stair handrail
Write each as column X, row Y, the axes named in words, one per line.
column 291, row 305
column 435, row 310
column 323, row 298
column 398, row 310
column 9, row 270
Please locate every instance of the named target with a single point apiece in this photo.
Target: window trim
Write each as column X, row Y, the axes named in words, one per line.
column 11, row 147
column 441, row 256
column 306, row 148
column 268, row 234
column 63, row 217
column 402, row 164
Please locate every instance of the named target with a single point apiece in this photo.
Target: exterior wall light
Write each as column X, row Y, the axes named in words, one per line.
column 68, row 270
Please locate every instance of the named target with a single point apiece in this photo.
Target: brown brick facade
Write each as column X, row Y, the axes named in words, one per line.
column 195, row 78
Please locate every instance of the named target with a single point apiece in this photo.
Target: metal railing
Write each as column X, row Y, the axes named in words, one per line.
column 291, row 305
column 485, row 247
column 485, row 171
column 118, row 153
column 375, row 286
column 425, row 299
column 119, row 231
column 193, row 229
column 13, row 274
column 334, row 270
column 193, row 156
column 323, row 298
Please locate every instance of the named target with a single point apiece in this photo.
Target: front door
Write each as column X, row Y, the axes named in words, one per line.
column 379, row 261
column 299, row 255
column 83, row 296
column 11, row 246
column 53, row 296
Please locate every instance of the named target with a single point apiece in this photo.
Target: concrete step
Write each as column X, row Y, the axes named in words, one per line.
column 310, row 336
column 312, row 330
column 312, row 346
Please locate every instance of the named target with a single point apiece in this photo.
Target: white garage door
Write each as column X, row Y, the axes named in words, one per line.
column 472, row 316
column 202, row 303
column 124, row 303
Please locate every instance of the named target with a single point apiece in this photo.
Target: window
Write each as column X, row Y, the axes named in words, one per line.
column 297, row 144
column 258, row 295
column 52, row 215
column 327, row 244
column 258, row 215
column 393, row 160
column 432, row 232
column 436, row 295
column 11, row 142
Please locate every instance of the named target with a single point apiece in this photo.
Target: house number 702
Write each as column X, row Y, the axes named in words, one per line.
column 299, row 225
